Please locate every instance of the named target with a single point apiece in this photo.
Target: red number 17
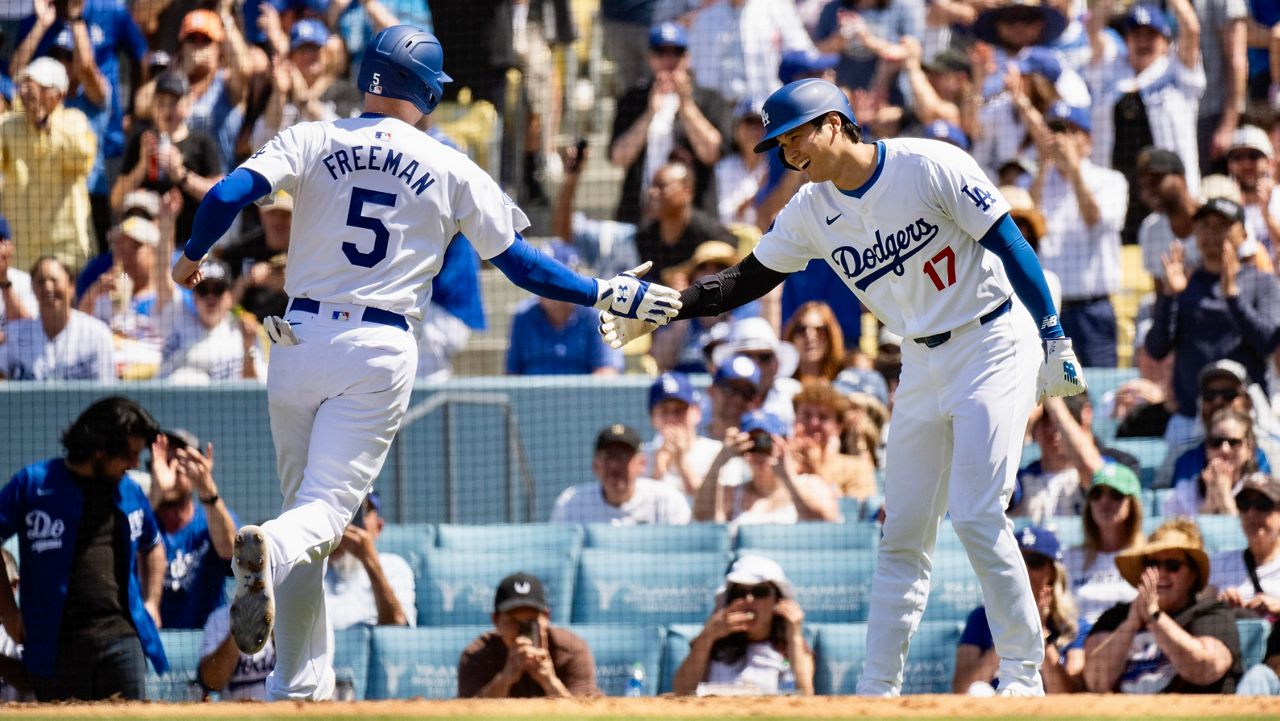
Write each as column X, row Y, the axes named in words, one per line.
column 948, row 256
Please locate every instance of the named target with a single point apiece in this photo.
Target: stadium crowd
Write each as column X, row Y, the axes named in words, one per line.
column 1137, row 143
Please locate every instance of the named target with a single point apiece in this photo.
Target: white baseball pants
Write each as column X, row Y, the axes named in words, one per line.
column 336, row 402
column 959, row 417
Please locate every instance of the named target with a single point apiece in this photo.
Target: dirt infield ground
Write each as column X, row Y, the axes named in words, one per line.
column 618, row 709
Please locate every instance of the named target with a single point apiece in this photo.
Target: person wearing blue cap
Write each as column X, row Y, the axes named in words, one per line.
column 301, row 88
column 555, row 337
column 677, row 455
column 17, row 301
column 800, row 64
column 1084, row 206
column 667, row 116
column 1063, row 670
column 734, row 390
column 1148, row 95
column 755, row 478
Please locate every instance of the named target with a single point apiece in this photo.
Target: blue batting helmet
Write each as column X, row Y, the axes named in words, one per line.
column 405, row 62
column 795, row 104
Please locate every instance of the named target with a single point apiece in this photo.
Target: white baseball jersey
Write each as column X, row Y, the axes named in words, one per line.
column 653, row 502
column 906, row 241
column 82, row 351
column 376, row 201
column 217, row 352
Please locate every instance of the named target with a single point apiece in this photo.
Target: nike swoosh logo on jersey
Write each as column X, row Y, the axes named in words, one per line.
column 832, row 220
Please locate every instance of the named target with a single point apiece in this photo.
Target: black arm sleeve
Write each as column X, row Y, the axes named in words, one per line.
column 728, row 289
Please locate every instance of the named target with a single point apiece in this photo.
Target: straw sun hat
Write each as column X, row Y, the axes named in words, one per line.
column 1180, row 534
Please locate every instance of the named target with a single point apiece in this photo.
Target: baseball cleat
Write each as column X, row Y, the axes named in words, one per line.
column 253, row 610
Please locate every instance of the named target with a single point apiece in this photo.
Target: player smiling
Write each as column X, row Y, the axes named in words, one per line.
column 366, row 244
column 916, row 231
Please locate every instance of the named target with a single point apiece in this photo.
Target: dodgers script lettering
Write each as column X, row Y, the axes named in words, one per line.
column 889, row 253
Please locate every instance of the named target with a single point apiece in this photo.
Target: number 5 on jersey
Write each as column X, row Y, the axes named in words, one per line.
column 357, row 219
column 946, row 258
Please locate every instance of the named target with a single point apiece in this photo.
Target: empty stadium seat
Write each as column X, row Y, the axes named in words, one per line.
column 840, row 656
column 553, row 537
column 1150, row 452
column 1253, row 640
column 1068, row 529
column 351, row 658
column 655, row 538
column 408, row 662
column 646, row 588
column 953, row 588
column 616, row 649
column 409, row 541
column 182, row 648
column 831, row 586
column 457, row 587
column 839, row 652
column 809, row 536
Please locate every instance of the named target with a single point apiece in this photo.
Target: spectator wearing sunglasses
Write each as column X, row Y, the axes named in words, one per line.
column 1228, row 455
column 754, row 635
column 1249, row 580
column 1112, row 521
column 1165, row 641
column 757, row 339
column 976, row 657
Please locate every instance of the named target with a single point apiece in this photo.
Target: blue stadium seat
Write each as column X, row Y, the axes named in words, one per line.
column 553, row 537
column 1068, row 529
column 351, row 658
column 811, row 536
column 851, row 509
column 409, row 541
column 839, row 655
column 646, row 588
column 654, row 538
column 457, row 587
column 931, row 660
column 1221, row 533
column 408, row 662
column 676, row 649
column 1150, row 452
column 953, row 589
column 1253, row 640
column 831, row 586
column 182, row 647
column 616, row 649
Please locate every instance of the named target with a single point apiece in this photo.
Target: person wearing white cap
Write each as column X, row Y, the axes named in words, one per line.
column 1251, row 163
column 46, row 153
column 753, row 638
column 124, row 296
column 210, row 341
column 756, row 339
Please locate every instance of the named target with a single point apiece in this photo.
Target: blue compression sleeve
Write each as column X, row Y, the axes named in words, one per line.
column 219, row 209
column 543, row 275
column 1024, row 271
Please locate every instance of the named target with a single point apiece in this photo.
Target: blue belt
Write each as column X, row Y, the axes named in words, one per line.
column 370, row 315
column 937, row 339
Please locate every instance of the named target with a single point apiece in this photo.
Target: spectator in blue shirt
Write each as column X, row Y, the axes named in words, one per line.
column 551, row 337
column 198, row 537
column 90, row 613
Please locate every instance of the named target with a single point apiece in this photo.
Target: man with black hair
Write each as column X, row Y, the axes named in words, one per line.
column 89, row 617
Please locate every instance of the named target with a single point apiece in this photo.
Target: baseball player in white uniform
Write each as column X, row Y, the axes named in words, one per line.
column 376, row 202
column 923, row 239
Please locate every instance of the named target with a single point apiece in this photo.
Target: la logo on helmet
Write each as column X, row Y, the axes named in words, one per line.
column 764, row 116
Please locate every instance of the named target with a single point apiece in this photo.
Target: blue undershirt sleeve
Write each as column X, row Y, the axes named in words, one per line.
column 220, row 206
column 1024, row 271
column 541, row 274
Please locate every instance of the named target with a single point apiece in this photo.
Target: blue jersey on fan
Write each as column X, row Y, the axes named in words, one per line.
column 195, row 577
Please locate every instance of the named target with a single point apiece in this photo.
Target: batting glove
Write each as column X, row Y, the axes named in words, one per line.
column 1061, row 374
column 626, row 296
column 618, row 332
column 279, row 331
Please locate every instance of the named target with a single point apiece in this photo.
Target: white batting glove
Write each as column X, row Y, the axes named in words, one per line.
column 279, row 331
column 626, row 296
column 1061, row 374
column 618, row 332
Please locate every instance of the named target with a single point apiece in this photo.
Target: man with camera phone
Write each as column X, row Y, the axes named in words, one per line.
column 525, row 656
